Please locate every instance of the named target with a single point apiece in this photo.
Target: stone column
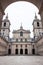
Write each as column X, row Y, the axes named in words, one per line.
column 18, row 51
column 23, row 51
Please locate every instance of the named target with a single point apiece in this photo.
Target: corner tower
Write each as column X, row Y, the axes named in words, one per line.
column 37, row 27
column 5, row 28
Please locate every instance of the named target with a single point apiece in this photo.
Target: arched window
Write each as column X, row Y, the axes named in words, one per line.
column 21, row 40
column 21, row 46
column 21, row 33
column 37, row 23
column 16, row 40
column 16, row 45
column 26, row 45
column 25, row 40
column 5, row 24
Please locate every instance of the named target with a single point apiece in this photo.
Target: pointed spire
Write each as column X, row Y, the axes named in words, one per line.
column 35, row 16
column 21, row 26
column 7, row 16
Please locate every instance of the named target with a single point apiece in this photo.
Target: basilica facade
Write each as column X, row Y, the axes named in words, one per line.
column 21, row 43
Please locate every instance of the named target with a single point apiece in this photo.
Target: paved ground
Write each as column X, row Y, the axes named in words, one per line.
column 21, row 60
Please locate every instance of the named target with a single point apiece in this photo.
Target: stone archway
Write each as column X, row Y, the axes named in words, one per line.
column 8, row 2
column 16, row 51
column 9, row 51
column 33, row 51
column 21, row 51
column 26, row 51
column 5, row 3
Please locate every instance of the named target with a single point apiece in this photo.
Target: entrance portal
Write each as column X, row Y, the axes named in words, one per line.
column 9, row 51
column 26, row 51
column 21, row 51
column 16, row 51
column 33, row 51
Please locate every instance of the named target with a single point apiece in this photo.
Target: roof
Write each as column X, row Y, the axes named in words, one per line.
column 39, row 38
column 19, row 30
column 36, row 19
column 3, row 38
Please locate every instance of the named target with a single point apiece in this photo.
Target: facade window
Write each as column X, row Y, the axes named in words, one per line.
column 21, row 40
column 25, row 40
column 33, row 46
column 9, row 46
column 16, row 40
column 37, row 23
column 16, row 45
column 42, row 33
column 21, row 33
column 3, row 32
column 21, row 45
column 5, row 24
column 25, row 45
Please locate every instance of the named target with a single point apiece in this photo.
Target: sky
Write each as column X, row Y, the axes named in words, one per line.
column 21, row 12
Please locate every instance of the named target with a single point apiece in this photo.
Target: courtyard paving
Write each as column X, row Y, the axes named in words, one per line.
column 21, row 60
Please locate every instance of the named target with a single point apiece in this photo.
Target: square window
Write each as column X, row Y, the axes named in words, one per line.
column 16, row 40
column 21, row 33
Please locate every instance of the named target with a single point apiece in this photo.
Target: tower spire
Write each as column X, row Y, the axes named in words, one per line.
column 7, row 16
column 21, row 26
column 35, row 16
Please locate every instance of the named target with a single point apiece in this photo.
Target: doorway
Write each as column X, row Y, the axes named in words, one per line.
column 21, row 51
column 9, row 51
column 16, row 51
column 26, row 51
column 33, row 51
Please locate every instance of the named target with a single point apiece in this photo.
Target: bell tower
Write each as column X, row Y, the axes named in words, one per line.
column 37, row 27
column 5, row 28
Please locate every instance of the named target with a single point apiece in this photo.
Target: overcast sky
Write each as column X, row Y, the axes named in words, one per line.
column 21, row 12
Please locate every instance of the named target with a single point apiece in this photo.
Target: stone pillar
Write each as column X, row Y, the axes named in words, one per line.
column 18, row 51
column 23, row 51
